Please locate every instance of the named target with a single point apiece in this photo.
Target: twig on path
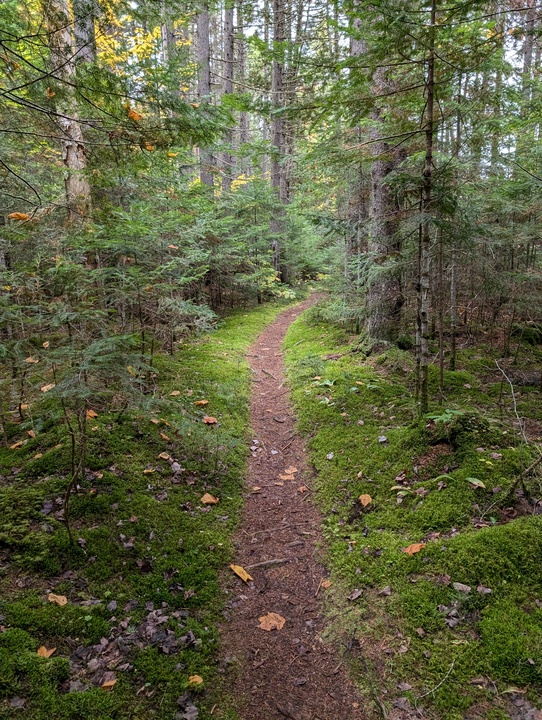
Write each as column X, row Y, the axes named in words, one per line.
column 268, row 563
column 433, row 690
column 270, row 374
column 288, row 443
column 319, row 586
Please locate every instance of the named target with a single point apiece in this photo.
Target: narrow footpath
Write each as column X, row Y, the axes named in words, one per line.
column 288, row 672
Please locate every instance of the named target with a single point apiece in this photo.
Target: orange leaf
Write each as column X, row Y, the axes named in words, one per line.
column 365, row 500
column 31, row 360
column 210, row 420
column 58, row 599
column 164, row 436
column 326, row 584
column 286, row 477
column 241, row 572
column 44, row 652
column 174, row 393
column 37, row 456
column 290, row 470
column 18, row 216
column 414, row 548
column 302, row 489
column 108, row 684
column 149, row 147
column 92, row 414
column 50, row 93
column 173, row 247
column 46, row 388
column 134, row 115
column 32, row 433
column 209, row 499
column 195, row 679
column 271, row 621
column 154, row 421
column 16, row 445
column 201, row 402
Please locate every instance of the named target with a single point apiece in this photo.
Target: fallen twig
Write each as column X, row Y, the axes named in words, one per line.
column 268, row 563
column 433, row 690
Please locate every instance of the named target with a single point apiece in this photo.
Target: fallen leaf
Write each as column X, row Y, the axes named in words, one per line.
column 414, row 548
column 44, row 652
column 24, row 406
column 287, row 477
column 174, row 393
column 50, row 93
column 355, row 594
column 241, row 572
column 16, row 445
column 18, row 216
column 484, row 590
column 37, row 456
column 31, row 433
column 133, row 519
column 46, row 388
column 460, row 587
column 31, row 360
column 195, row 680
column 475, row 482
column 149, row 147
column 58, row 599
column 92, row 414
column 45, row 344
column 201, row 402
column 164, row 455
column 209, row 499
column 385, row 591
column 148, row 471
column 291, row 470
column 302, row 489
column 326, row 584
column 365, row 500
column 271, row 621
column 172, row 155
column 210, row 420
column 154, row 421
column 108, row 684
column 164, row 436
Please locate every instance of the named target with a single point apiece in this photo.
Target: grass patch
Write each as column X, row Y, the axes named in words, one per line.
column 141, row 579
column 452, row 626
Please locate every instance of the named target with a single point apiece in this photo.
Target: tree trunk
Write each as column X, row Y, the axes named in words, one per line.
column 425, row 236
column 227, row 157
column 278, row 180
column 74, row 155
column 85, row 13
column 203, row 57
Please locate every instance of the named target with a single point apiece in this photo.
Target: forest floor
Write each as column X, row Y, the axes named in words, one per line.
column 286, row 670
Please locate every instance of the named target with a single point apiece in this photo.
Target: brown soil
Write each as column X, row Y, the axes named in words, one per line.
column 287, row 673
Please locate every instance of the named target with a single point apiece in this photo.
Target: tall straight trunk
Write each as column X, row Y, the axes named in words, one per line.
column 528, row 48
column 425, row 235
column 203, row 57
column 278, row 181
column 384, row 297
column 74, row 156
column 244, row 125
column 85, row 13
column 227, row 89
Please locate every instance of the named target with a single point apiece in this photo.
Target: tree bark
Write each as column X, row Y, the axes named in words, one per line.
column 74, row 154
column 227, row 158
column 203, row 57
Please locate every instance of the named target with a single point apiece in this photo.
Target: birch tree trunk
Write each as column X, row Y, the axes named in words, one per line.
column 74, row 156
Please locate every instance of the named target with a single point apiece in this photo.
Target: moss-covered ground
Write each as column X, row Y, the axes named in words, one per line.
column 454, row 626
column 140, row 580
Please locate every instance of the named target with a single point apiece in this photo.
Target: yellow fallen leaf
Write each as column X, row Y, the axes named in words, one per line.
column 165, row 422
column 50, row 93
column 201, row 402
column 24, row 406
column 154, row 421
column 16, row 445
column 241, row 572
column 37, row 456
column 18, row 216
column 148, row 471
column 31, row 360
column 149, row 147
column 32, row 433
column 131, row 370
column 164, row 456
column 170, row 154
column 45, row 344
column 291, row 470
column 365, row 500
column 256, row 488
column 108, row 684
column 210, row 420
column 174, row 393
column 45, row 652
column 326, row 584
column 286, row 477
column 46, row 388
column 58, row 599
column 414, row 548
column 91, row 414
column 164, row 437
column 271, row 621
column 195, row 679
column 209, row 499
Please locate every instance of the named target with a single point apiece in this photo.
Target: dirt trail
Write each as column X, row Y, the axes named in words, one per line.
column 287, row 673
